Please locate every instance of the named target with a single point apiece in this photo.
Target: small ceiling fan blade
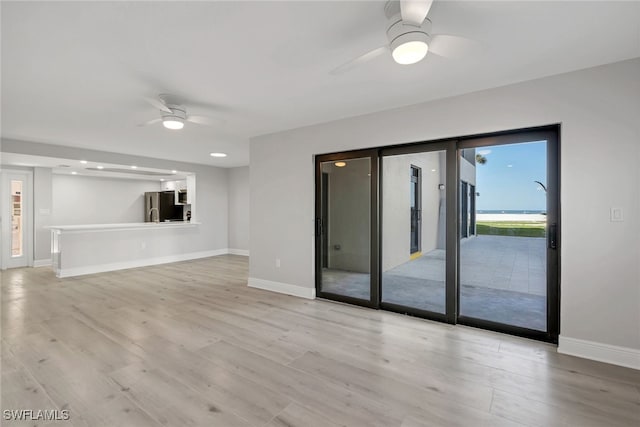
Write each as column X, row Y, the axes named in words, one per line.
column 415, row 11
column 156, row 103
column 150, row 122
column 360, row 60
column 202, row 120
column 452, row 47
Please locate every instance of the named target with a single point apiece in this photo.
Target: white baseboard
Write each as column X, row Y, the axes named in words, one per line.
column 42, row 262
column 243, row 252
column 283, row 288
column 616, row 355
column 101, row 268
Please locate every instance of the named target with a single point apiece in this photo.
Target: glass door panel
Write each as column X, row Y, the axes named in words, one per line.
column 16, row 230
column 17, row 219
column 414, row 231
column 503, row 268
column 343, row 228
column 462, row 231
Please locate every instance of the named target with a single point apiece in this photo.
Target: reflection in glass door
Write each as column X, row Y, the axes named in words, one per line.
column 414, row 232
column 344, row 192
column 503, row 280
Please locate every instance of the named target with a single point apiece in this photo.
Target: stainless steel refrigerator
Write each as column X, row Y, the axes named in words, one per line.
column 159, row 206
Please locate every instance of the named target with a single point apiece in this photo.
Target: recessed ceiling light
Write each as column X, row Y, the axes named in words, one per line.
column 161, row 179
column 74, row 173
column 174, row 171
column 84, row 162
column 100, row 167
column 340, row 164
column 217, row 154
column 173, row 123
column 433, row 170
column 134, row 167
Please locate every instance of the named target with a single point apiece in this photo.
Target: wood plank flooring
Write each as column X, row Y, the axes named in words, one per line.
column 189, row 344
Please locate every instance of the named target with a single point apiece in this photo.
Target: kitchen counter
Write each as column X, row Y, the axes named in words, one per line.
column 123, row 226
column 95, row 248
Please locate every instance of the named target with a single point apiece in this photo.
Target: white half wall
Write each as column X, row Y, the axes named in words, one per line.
column 600, row 153
column 99, row 249
column 239, row 210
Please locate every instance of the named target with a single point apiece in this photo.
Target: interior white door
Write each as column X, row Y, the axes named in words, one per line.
column 16, row 219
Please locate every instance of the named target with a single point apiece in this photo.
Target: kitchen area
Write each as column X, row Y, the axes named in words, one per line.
column 171, row 204
column 84, row 212
column 107, row 217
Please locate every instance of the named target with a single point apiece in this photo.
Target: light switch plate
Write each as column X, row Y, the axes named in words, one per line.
column 617, row 215
column 45, row 211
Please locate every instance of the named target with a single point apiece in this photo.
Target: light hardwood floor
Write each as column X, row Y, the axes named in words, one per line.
column 189, row 344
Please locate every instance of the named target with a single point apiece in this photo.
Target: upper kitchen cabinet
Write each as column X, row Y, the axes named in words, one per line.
column 182, row 195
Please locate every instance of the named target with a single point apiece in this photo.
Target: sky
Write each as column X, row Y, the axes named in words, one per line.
column 506, row 181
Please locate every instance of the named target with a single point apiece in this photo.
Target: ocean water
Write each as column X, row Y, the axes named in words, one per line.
column 511, row 211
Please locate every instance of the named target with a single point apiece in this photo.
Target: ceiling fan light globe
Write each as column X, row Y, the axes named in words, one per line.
column 173, row 124
column 410, row 52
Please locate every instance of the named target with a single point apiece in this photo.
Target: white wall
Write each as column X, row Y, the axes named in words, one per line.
column 42, row 214
column 81, row 199
column 467, row 172
column 600, row 153
column 239, row 210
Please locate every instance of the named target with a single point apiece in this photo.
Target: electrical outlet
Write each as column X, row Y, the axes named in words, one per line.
column 278, row 262
column 617, row 215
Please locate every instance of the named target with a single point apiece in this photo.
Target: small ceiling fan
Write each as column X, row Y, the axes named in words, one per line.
column 409, row 35
column 173, row 114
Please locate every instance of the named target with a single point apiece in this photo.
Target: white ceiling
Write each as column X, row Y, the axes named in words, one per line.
column 75, row 73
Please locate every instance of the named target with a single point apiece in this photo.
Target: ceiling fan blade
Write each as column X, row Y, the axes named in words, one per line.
column 202, row 120
column 150, row 122
column 415, row 11
column 452, row 47
column 158, row 104
column 360, row 60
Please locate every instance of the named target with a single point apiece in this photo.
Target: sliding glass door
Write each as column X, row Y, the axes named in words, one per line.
column 462, row 231
column 346, row 227
column 508, row 270
column 414, row 251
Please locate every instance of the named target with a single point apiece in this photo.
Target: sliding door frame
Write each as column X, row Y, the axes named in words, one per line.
column 550, row 134
column 452, row 148
column 451, row 206
column 374, row 297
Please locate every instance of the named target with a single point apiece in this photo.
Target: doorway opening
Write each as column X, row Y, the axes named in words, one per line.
column 416, row 210
column 17, row 219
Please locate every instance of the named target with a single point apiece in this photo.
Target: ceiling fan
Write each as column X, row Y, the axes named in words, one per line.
column 173, row 114
column 409, row 35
